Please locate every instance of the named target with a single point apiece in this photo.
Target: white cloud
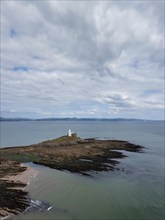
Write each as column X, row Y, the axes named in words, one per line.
column 82, row 59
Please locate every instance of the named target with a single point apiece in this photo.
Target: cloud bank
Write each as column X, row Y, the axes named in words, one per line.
column 82, row 59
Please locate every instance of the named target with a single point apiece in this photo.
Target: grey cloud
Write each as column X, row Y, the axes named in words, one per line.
column 117, row 101
column 84, row 52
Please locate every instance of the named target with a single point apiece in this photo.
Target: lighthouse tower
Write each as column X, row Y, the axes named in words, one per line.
column 69, row 133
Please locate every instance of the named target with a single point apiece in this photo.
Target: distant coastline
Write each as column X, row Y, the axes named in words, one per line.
column 74, row 119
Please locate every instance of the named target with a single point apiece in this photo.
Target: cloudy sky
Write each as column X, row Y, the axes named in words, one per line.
column 82, row 59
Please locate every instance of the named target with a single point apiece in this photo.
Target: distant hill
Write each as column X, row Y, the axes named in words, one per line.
column 73, row 119
column 15, row 119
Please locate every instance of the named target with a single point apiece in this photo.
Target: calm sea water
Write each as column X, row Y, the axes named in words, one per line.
column 135, row 191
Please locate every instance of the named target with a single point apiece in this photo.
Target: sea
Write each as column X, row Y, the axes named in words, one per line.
column 134, row 191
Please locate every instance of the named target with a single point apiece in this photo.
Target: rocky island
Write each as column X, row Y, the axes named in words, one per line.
column 69, row 153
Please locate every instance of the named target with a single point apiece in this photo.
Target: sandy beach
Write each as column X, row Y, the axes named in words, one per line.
column 23, row 177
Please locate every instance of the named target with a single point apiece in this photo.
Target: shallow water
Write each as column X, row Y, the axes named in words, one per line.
column 135, row 191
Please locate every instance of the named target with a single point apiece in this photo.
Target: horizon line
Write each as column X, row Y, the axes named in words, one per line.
column 76, row 118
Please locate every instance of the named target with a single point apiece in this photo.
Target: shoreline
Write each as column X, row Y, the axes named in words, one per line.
column 13, row 185
column 23, row 177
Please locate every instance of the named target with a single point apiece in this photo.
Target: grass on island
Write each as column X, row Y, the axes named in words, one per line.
column 21, row 157
column 62, row 139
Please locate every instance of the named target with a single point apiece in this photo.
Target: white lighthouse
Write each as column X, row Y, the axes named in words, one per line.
column 69, row 133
